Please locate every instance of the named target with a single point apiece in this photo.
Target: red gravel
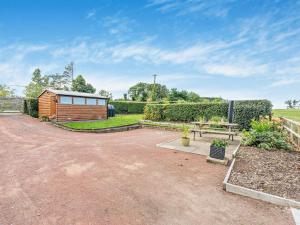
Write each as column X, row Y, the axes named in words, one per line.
column 274, row 172
column 53, row 176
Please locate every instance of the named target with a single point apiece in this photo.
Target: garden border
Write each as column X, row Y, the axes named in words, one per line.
column 103, row 130
column 236, row 189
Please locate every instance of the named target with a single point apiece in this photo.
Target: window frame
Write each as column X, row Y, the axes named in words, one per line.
column 96, row 101
column 83, row 98
column 66, row 103
column 102, row 99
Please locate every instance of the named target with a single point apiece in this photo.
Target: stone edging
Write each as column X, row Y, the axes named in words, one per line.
column 236, row 189
column 104, row 130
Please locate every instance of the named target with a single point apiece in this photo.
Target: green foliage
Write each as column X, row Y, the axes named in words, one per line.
column 124, row 107
column 6, row 91
column 246, row 111
column 37, row 85
column 143, row 92
column 185, row 131
column 220, row 143
column 31, row 107
column 105, row 93
column 184, row 112
column 266, row 134
column 79, row 84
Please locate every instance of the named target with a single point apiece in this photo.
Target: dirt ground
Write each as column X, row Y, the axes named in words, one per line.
column 274, row 172
column 53, row 176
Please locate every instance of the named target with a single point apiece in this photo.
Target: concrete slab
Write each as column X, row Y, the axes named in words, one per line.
column 201, row 145
column 296, row 215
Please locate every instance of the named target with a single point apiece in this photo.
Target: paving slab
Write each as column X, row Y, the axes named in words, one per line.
column 201, row 145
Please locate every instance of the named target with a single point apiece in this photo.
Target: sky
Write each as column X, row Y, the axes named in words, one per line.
column 232, row 49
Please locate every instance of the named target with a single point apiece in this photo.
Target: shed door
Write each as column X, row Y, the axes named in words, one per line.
column 52, row 105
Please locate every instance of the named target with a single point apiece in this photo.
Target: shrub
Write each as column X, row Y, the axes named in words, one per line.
column 31, row 107
column 246, row 111
column 185, row 131
column 266, row 134
column 124, row 107
column 220, row 143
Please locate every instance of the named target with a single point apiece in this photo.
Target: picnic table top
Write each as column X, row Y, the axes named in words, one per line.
column 212, row 123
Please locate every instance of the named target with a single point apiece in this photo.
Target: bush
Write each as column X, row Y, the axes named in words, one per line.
column 124, row 107
column 185, row 111
column 246, row 111
column 220, row 143
column 31, row 107
column 266, row 134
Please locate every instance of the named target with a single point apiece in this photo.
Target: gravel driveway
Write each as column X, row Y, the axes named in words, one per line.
column 53, row 176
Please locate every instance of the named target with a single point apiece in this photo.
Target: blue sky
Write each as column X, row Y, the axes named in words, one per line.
column 246, row 49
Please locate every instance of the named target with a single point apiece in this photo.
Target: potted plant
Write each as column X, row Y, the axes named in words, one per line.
column 217, row 149
column 185, row 139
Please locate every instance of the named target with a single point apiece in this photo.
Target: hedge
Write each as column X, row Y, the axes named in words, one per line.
column 244, row 111
column 31, row 107
column 128, row 107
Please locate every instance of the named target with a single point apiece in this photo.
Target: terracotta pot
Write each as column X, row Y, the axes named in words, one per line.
column 185, row 141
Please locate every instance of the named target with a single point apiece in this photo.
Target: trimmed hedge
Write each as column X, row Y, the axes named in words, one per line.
column 244, row 111
column 122, row 107
column 31, row 107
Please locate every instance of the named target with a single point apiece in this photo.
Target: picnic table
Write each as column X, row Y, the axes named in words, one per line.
column 229, row 128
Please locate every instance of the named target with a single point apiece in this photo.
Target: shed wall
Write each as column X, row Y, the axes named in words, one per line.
column 45, row 104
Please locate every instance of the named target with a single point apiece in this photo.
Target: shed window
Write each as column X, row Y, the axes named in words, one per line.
column 101, row 101
column 65, row 100
column 91, row 101
column 78, row 101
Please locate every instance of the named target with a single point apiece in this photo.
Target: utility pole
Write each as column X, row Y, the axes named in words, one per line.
column 72, row 71
column 154, row 78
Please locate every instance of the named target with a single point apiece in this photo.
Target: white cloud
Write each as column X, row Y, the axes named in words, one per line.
column 91, row 14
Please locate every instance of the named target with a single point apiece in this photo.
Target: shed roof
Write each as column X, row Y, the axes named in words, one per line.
column 72, row 93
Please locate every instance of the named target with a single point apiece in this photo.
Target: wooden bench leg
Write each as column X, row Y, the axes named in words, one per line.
column 194, row 136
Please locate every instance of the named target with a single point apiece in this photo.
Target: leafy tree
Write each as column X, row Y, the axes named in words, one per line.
column 176, row 95
column 292, row 104
column 79, row 84
column 193, row 97
column 144, row 91
column 139, row 92
column 68, row 73
column 37, row 85
column 105, row 93
column 157, row 92
column 6, row 91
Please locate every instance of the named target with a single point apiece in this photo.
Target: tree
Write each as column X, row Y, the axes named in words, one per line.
column 176, row 95
column 6, row 91
column 144, row 91
column 79, row 84
column 139, row 92
column 68, row 73
column 193, row 97
column 105, row 93
column 158, row 92
column 292, row 104
column 37, row 85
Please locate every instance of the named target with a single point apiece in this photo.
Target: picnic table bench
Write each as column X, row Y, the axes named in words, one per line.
column 199, row 128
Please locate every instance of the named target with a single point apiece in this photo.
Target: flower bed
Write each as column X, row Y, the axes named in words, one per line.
column 273, row 172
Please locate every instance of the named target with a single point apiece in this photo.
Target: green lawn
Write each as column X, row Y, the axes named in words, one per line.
column 119, row 120
column 293, row 114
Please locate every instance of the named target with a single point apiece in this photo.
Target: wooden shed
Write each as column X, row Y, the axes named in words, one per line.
column 72, row 106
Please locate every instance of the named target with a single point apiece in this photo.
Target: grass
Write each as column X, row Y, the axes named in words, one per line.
column 118, row 121
column 293, row 114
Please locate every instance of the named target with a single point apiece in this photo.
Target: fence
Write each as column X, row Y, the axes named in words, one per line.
column 11, row 104
column 293, row 129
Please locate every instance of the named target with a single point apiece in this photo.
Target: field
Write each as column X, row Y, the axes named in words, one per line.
column 118, row 121
column 293, row 114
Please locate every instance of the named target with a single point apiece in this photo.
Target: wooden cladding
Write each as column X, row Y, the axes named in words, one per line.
column 66, row 112
column 46, row 105
column 50, row 106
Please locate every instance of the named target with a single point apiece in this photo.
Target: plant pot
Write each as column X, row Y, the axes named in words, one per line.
column 185, row 141
column 217, row 153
